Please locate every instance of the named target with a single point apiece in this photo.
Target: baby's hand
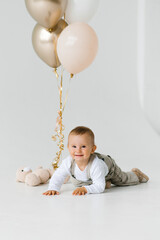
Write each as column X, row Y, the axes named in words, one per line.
column 51, row 192
column 80, row 191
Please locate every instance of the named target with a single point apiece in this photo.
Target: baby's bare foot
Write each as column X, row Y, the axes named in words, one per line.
column 141, row 176
column 108, row 184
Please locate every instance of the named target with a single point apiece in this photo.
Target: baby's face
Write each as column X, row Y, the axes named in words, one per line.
column 80, row 147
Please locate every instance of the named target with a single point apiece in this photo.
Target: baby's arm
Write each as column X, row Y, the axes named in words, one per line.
column 58, row 179
column 98, row 178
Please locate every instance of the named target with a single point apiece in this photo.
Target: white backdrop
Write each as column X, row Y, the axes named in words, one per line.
column 104, row 97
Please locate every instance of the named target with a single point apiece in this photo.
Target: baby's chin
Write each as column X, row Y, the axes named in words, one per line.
column 81, row 158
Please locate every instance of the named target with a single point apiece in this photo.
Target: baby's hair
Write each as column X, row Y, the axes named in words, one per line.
column 80, row 130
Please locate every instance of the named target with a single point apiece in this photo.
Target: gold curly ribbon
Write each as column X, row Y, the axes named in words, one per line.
column 59, row 126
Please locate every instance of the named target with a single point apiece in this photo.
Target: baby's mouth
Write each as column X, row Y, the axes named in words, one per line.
column 78, row 155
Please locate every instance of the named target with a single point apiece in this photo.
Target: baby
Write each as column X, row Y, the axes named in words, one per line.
column 90, row 172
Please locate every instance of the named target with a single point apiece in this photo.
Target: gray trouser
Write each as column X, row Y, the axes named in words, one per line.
column 115, row 174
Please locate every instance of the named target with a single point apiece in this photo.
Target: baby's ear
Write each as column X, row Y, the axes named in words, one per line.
column 94, row 148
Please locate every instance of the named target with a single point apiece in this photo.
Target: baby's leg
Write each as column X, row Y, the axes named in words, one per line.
column 121, row 178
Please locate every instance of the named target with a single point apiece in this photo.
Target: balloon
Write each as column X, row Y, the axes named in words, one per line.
column 80, row 10
column 46, row 12
column 77, row 47
column 148, row 61
column 45, row 43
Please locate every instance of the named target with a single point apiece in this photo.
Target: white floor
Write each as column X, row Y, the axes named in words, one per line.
column 120, row 213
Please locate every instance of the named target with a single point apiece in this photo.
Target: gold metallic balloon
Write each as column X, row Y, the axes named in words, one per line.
column 46, row 12
column 45, row 42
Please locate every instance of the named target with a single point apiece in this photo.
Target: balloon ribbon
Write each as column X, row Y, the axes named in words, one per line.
column 59, row 126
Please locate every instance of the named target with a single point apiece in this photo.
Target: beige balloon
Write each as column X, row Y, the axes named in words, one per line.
column 77, row 47
column 45, row 43
column 46, row 12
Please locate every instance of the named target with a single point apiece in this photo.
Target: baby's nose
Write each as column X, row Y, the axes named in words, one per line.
column 79, row 149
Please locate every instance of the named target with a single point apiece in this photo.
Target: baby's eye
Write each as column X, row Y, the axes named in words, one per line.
column 74, row 146
column 83, row 146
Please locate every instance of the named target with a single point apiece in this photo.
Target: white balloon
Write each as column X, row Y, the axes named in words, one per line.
column 80, row 10
column 148, row 62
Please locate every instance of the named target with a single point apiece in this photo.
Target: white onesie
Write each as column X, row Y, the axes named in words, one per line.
column 98, row 171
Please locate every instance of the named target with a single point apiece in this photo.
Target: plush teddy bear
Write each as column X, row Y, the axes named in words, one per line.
column 34, row 178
